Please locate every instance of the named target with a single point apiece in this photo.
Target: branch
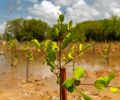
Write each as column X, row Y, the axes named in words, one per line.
column 91, row 84
column 66, row 63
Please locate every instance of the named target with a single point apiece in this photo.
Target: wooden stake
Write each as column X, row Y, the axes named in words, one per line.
column 63, row 78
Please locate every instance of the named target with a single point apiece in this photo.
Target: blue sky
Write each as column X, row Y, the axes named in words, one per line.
column 7, row 5
column 47, row 10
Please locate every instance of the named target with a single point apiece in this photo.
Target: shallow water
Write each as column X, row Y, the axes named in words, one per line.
column 12, row 77
column 38, row 69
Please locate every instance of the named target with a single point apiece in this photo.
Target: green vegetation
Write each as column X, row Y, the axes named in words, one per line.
column 100, row 30
column 54, row 54
column 97, row 30
column 53, row 41
column 28, row 52
column 26, row 30
column 12, row 45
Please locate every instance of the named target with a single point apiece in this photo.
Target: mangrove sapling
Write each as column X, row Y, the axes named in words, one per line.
column 74, row 46
column 14, row 58
column 92, row 42
column 29, row 56
column 53, row 49
column 77, row 51
column 13, row 51
column 39, row 47
column 106, row 52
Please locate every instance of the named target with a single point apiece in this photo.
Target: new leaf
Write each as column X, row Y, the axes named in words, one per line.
column 68, row 83
column 67, row 40
column 79, row 73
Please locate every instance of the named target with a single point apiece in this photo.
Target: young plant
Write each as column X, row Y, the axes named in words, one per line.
column 12, row 45
column 106, row 52
column 92, row 42
column 58, row 67
column 54, row 50
column 29, row 56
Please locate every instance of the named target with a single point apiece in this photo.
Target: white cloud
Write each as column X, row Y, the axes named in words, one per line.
column 107, row 7
column 2, row 28
column 64, row 2
column 29, row 17
column 45, row 11
column 76, row 10
column 81, row 11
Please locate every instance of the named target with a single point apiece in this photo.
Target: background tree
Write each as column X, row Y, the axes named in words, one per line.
column 26, row 30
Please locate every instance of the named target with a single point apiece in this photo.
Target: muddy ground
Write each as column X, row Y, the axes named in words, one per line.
column 42, row 85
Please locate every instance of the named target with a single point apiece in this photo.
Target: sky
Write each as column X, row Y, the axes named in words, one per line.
column 47, row 10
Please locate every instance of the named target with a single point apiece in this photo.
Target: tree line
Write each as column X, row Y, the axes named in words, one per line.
column 97, row 30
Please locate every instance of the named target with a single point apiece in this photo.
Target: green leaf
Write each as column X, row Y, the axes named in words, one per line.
column 72, row 89
column 51, row 46
column 30, row 55
column 79, row 73
column 86, row 47
column 69, row 26
column 111, row 77
column 61, row 18
column 102, row 82
column 54, row 46
column 12, row 43
column 51, row 64
column 56, row 32
column 36, row 43
column 67, row 40
column 70, row 57
column 73, row 48
column 77, row 82
column 52, row 56
column 44, row 45
column 68, row 83
column 86, row 97
column 114, row 89
column 99, row 84
column 80, row 47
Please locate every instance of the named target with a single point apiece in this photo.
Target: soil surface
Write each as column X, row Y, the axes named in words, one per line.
column 42, row 83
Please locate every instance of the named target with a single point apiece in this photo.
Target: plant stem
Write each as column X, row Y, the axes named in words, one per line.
column 74, row 53
column 60, row 70
column 93, row 84
column 27, row 69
